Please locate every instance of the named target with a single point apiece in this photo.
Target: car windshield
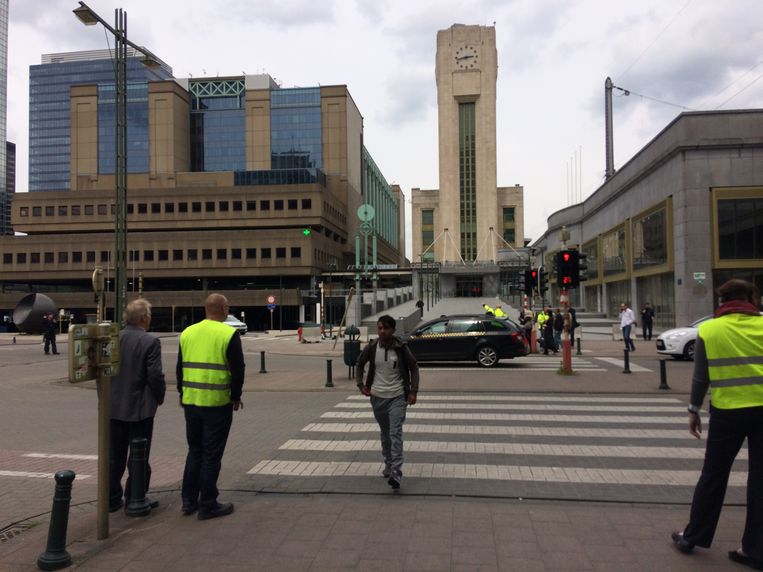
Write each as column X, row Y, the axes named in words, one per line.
column 698, row 322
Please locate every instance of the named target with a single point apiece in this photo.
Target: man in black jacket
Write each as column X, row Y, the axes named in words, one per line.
column 392, row 384
column 136, row 393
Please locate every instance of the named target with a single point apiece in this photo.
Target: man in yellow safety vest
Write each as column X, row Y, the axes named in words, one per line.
column 210, row 377
column 728, row 358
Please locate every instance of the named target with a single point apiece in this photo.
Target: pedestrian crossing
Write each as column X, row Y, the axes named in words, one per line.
column 561, row 446
column 533, row 362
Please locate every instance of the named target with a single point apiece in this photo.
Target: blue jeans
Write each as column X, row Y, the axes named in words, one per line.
column 629, row 345
column 390, row 415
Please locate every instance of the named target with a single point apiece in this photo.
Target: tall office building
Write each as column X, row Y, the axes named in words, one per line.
column 468, row 218
column 5, row 195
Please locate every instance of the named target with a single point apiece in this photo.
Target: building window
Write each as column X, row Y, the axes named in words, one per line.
column 251, row 205
column 427, row 234
column 193, row 254
column 206, row 254
column 48, row 258
column 251, row 253
column 222, row 206
column 238, row 206
column 264, row 205
column 613, row 251
column 36, row 211
column 35, row 257
column 280, row 252
column 169, row 207
column 89, row 210
column 63, row 257
column 235, row 253
column 50, row 211
column 296, row 252
column 591, row 250
column 307, row 204
column 75, row 210
column 77, row 256
column 650, row 240
column 113, row 210
column 24, row 211
column 21, row 258
column 209, row 206
column 222, row 254
column 740, row 229
column 7, row 258
column 467, row 154
column 292, row 204
column 105, row 255
column 196, row 207
column 278, row 205
column 163, row 255
column 182, row 207
column 177, row 254
column 148, row 256
column 265, row 253
column 130, row 208
column 103, row 210
column 142, row 208
column 156, row 208
column 509, row 225
column 90, row 255
column 134, row 256
column 63, row 211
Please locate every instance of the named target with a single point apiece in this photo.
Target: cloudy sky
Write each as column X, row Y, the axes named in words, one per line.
column 553, row 56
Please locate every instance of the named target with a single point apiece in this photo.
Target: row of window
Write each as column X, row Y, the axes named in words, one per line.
column 170, row 207
column 190, row 254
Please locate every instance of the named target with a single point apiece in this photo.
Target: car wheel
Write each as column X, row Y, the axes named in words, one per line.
column 689, row 351
column 487, row 356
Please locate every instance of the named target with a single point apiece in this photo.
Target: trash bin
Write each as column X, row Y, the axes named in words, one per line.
column 351, row 346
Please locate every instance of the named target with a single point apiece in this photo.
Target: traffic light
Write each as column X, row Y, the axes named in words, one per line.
column 307, row 231
column 582, row 270
column 531, row 280
column 542, row 277
column 566, row 263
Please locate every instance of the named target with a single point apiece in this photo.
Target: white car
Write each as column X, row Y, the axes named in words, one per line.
column 234, row 322
column 680, row 342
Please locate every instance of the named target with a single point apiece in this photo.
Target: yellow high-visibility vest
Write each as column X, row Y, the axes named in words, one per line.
column 734, row 348
column 206, row 375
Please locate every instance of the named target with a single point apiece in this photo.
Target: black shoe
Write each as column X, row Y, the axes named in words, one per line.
column 394, row 482
column 221, row 509
column 681, row 543
column 189, row 508
column 55, row 353
column 741, row 558
column 115, row 506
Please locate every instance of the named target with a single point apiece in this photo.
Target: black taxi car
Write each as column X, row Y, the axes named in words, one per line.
column 481, row 338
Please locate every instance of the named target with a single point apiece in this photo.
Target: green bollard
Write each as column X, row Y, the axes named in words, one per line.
column 138, row 505
column 55, row 556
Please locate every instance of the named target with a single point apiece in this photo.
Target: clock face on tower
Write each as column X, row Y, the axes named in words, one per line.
column 467, row 57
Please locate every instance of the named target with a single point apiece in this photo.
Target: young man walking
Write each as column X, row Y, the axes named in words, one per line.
column 392, row 384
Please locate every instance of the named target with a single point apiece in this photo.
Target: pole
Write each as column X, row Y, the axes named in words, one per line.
column 663, row 375
column 626, row 361
column 120, row 282
column 55, row 556
column 329, row 383
column 262, row 363
column 104, row 430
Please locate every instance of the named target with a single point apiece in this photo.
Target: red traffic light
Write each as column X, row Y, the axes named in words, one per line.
column 534, row 273
column 566, row 256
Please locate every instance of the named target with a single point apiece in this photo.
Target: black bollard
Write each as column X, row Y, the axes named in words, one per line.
column 55, row 556
column 329, row 383
column 663, row 375
column 14, row 339
column 262, row 363
column 626, row 361
column 577, row 341
column 138, row 505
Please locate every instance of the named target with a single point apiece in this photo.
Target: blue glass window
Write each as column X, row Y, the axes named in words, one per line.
column 295, row 129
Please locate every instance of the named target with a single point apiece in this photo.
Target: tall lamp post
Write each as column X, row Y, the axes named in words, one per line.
column 89, row 17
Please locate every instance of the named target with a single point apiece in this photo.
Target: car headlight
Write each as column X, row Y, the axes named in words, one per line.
column 677, row 335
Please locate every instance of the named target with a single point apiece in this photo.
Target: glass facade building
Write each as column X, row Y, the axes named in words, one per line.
column 296, row 139
column 50, row 111
column 218, row 137
column 5, row 193
column 467, row 156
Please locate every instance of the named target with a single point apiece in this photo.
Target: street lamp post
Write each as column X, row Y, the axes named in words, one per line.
column 89, row 17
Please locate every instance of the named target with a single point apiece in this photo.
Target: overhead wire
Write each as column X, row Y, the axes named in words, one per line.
column 730, row 84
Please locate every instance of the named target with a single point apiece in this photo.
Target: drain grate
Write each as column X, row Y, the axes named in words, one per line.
column 12, row 532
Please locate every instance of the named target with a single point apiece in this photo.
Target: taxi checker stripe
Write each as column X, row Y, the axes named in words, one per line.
column 202, row 365
column 215, row 386
column 737, row 381
column 742, row 360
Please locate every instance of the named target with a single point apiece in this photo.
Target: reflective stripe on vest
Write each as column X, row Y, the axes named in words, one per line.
column 734, row 348
column 206, row 376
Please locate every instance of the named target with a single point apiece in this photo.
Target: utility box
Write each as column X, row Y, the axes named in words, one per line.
column 93, row 346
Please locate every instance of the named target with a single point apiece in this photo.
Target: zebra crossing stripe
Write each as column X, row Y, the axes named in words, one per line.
column 34, row 475
column 516, row 430
column 515, row 417
column 521, row 398
column 578, row 475
column 535, row 449
column 527, row 407
column 620, row 363
column 424, row 369
column 61, row 456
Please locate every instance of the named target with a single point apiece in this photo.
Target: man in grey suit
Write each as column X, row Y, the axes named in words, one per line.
column 136, row 393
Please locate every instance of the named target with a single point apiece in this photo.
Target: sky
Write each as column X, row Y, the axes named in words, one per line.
column 553, row 58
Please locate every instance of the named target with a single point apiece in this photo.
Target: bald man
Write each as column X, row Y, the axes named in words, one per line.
column 210, row 377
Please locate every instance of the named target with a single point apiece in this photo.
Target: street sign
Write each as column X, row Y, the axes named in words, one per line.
column 271, row 307
column 699, row 276
column 93, row 346
column 271, row 299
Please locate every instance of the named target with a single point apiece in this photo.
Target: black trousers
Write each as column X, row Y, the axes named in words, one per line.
column 122, row 432
column 646, row 330
column 206, row 430
column 50, row 340
column 727, row 431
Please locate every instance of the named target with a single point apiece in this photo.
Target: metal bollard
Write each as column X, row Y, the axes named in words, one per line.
column 138, row 505
column 55, row 555
column 14, row 339
column 329, row 383
column 626, row 361
column 663, row 375
column 577, row 341
column 262, row 363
